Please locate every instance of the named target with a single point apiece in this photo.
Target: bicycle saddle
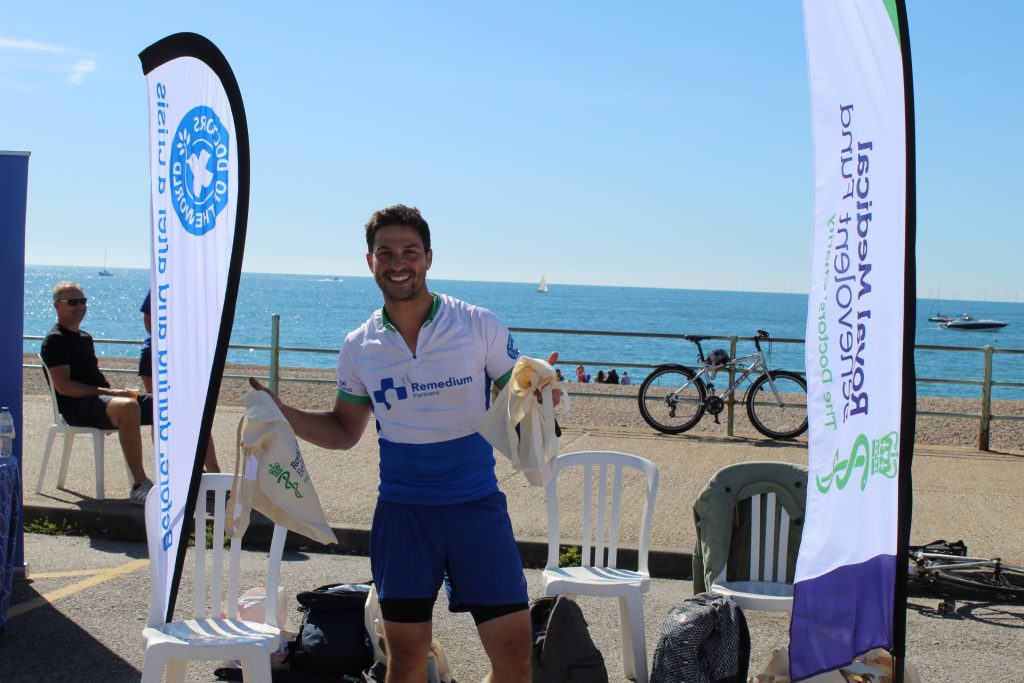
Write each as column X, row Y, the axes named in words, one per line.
column 694, row 337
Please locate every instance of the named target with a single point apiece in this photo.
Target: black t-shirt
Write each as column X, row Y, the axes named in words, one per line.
column 75, row 349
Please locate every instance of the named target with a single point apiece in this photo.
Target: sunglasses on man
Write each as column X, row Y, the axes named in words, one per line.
column 75, row 302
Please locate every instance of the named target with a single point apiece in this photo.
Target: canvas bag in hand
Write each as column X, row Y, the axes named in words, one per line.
column 535, row 446
column 270, row 475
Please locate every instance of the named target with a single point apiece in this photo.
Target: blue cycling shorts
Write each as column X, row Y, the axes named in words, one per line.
column 467, row 546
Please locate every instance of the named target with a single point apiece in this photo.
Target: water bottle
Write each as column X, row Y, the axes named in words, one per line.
column 6, row 433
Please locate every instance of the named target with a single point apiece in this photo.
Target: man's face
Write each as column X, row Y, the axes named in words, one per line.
column 67, row 315
column 399, row 262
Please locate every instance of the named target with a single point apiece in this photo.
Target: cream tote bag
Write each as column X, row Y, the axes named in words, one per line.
column 535, row 446
column 270, row 475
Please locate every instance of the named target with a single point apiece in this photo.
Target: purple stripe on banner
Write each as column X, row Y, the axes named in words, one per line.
column 852, row 608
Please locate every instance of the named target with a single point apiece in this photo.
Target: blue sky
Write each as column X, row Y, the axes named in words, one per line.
column 665, row 144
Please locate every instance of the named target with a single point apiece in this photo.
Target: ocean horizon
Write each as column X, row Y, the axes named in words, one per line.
column 317, row 311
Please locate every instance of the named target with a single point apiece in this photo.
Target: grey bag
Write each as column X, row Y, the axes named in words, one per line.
column 562, row 647
column 704, row 640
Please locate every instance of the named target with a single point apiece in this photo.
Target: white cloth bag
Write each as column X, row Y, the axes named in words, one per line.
column 535, row 447
column 270, row 475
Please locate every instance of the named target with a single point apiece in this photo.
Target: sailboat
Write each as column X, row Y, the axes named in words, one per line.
column 543, row 286
column 105, row 272
column 938, row 317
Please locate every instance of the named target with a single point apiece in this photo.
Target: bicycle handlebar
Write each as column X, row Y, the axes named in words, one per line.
column 697, row 339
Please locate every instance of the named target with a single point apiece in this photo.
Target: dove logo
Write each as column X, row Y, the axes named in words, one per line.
column 199, row 170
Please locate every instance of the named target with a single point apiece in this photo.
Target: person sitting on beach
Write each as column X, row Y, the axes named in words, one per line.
column 612, row 378
column 600, row 379
column 440, row 516
column 580, row 373
column 84, row 396
column 558, row 375
column 626, row 379
column 146, row 375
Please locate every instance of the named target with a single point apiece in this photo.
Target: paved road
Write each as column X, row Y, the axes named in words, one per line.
column 87, row 629
column 88, row 626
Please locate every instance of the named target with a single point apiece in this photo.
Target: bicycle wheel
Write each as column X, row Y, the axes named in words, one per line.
column 779, row 420
column 978, row 583
column 672, row 399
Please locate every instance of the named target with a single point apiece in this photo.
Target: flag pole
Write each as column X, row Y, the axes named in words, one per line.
column 909, row 407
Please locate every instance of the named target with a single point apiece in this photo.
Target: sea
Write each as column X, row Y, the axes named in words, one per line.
column 317, row 311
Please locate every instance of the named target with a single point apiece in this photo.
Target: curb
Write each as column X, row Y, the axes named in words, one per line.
column 122, row 522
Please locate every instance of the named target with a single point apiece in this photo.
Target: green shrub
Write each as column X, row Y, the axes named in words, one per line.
column 45, row 525
column 569, row 556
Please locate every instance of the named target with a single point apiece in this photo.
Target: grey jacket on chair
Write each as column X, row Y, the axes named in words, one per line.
column 723, row 524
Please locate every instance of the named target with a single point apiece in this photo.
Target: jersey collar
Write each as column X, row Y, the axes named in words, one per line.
column 436, row 304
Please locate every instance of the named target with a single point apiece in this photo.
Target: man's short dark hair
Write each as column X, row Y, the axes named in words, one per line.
column 399, row 214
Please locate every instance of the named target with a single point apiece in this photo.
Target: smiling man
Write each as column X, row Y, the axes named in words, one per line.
column 423, row 365
column 84, row 396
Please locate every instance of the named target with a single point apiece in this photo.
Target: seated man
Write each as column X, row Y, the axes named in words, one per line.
column 146, row 375
column 84, row 396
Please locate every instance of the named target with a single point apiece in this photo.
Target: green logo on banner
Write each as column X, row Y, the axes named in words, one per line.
column 873, row 457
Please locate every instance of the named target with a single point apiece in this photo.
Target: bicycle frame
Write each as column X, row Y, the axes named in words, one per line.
column 759, row 363
column 736, row 365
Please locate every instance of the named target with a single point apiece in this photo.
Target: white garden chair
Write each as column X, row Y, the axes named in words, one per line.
column 207, row 636
column 600, row 575
column 60, row 426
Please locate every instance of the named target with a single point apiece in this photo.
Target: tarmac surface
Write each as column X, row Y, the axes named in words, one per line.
column 80, row 613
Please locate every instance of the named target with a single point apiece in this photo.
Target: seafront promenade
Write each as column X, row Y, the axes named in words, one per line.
column 959, row 493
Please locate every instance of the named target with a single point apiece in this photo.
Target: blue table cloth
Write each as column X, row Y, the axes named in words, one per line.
column 10, row 521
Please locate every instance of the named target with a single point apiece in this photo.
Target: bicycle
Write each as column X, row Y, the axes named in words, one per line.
column 674, row 398
column 944, row 569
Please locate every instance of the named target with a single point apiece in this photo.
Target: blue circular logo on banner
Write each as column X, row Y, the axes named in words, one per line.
column 199, row 170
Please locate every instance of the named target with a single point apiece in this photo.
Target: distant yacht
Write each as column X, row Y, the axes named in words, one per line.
column 543, row 286
column 105, row 272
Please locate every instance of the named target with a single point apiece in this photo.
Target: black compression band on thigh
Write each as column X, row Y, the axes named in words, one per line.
column 482, row 613
column 407, row 610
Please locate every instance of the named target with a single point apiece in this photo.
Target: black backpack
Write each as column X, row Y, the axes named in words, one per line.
column 332, row 640
column 562, row 647
column 704, row 640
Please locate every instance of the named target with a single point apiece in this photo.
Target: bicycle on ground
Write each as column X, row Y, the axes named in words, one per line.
column 674, row 398
column 944, row 569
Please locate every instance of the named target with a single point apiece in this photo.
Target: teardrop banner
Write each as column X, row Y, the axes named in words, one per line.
column 849, row 594
column 199, row 167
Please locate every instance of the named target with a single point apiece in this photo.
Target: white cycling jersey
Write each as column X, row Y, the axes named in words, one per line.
column 427, row 403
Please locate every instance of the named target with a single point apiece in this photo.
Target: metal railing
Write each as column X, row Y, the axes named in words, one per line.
column 985, row 416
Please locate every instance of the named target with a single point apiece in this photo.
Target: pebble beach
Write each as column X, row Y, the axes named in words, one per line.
column 596, row 405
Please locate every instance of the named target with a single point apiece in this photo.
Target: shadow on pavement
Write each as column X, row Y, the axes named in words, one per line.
column 44, row 640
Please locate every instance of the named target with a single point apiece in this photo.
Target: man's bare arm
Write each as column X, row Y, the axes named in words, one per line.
column 65, row 386
column 337, row 429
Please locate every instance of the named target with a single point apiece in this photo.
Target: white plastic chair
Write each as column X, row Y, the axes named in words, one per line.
column 207, row 636
column 597, row 576
column 766, row 589
column 60, row 426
